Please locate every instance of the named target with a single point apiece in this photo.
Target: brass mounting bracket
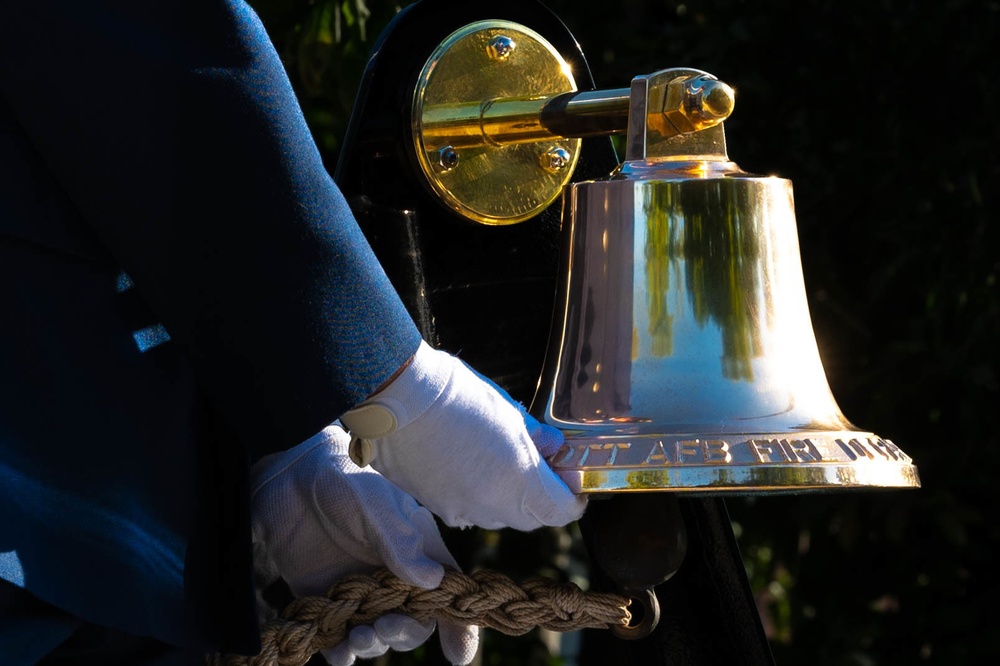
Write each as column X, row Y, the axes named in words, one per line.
column 497, row 121
column 476, row 131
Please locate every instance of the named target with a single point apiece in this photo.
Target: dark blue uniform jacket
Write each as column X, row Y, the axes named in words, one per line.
column 182, row 288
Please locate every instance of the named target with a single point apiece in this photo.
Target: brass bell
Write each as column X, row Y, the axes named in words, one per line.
column 682, row 355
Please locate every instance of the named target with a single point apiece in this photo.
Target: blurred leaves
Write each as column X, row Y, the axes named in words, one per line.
column 324, row 45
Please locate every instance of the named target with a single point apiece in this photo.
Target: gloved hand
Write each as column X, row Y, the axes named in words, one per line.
column 462, row 447
column 320, row 518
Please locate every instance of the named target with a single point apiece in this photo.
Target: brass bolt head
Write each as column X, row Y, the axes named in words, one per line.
column 448, row 158
column 500, row 47
column 555, row 159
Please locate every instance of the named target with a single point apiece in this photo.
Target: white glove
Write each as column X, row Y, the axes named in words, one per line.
column 320, row 518
column 462, row 447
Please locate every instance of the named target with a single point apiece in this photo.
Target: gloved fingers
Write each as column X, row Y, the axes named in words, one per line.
column 467, row 454
column 364, row 642
column 459, row 642
column 549, row 500
column 394, row 631
column 321, row 517
column 434, row 546
column 407, row 540
column 265, row 571
column 401, row 632
column 546, row 438
column 272, row 466
column 373, row 520
column 339, row 655
column 496, row 387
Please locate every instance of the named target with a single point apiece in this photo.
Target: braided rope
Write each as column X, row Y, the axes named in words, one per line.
column 485, row 598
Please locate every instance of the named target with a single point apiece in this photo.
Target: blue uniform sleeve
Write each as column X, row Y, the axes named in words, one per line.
column 174, row 131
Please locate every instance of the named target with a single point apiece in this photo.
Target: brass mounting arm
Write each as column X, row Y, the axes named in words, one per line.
column 689, row 103
column 497, row 120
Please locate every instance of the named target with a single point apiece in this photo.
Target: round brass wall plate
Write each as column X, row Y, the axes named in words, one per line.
column 474, row 175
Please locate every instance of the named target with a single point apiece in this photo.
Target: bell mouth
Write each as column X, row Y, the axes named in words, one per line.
column 733, row 463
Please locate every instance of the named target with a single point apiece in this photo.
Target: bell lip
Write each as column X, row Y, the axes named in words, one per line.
column 747, row 480
column 734, row 463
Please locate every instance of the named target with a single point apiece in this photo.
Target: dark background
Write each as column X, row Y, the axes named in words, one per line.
column 883, row 116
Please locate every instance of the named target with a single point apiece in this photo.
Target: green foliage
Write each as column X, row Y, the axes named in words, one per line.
column 325, row 45
column 883, row 114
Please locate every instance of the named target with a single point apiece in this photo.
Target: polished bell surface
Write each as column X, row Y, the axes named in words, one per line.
column 683, row 356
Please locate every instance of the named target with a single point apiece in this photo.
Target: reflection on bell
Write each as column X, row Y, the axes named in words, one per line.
column 682, row 356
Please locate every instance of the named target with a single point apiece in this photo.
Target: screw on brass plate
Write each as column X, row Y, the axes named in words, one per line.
column 500, row 47
column 448, row 158
column 555, row 159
